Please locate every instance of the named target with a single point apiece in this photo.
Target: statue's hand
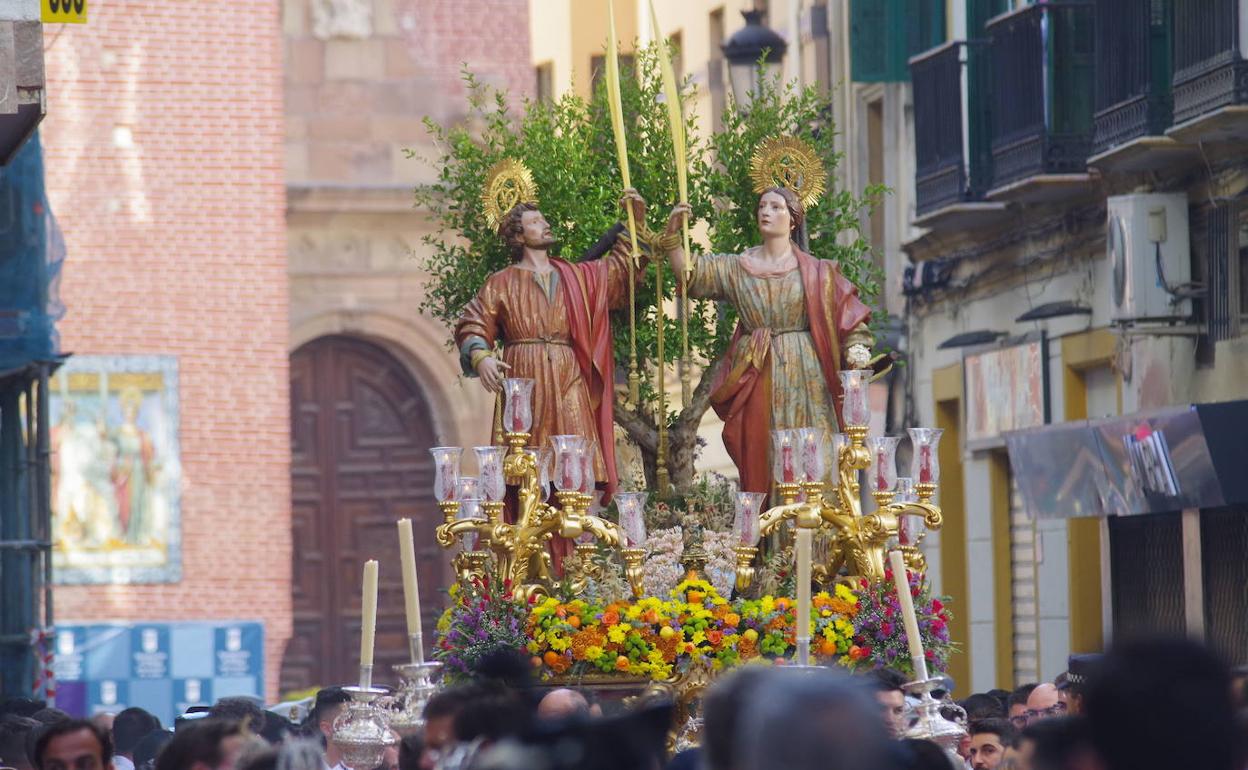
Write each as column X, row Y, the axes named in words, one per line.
column 632, row 199
column 491, row 371
column 679, row 212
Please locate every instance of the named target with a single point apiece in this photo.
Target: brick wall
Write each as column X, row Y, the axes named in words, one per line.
column 354, row 104
column 164, row 167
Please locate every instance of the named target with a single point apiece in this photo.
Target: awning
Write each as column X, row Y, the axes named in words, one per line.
column 1188, row 456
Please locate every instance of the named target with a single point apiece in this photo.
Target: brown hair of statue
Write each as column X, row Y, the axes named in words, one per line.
column 797, row 212
column 511, row 229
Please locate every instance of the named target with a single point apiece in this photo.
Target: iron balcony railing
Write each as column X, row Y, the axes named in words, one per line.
column 949, row 128
column 1209, row 72
column 1041, row 123
column 1134, row 41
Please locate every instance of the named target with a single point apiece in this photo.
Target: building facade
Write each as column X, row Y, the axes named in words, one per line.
column 171, row 456
column 1013, row 137
column 373, row 382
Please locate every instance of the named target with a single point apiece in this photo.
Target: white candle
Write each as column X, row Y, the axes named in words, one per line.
column 804, row 539
column 411, row 589
column 907, row 615
column 368, row 613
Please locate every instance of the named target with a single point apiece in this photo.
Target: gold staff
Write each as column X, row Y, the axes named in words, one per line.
column 621, row 149
column 676, row 123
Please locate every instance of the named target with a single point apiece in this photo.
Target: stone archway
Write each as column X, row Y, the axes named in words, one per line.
column 360, row 432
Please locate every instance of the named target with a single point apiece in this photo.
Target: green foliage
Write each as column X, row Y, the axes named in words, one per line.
column 569, row 146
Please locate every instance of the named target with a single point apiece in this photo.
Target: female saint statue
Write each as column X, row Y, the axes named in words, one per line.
column 800, row 322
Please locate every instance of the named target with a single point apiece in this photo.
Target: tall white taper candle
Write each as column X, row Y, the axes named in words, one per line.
column 907, row 615
column 368, row 613
column 411, row 588
column 804, row 539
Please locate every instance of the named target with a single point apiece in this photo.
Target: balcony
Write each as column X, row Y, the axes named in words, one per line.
column 1134, row 65
column 1042, row 117
column 949, row 185
column 1210, row 73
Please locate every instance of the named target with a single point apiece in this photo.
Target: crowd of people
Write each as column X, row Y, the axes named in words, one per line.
column 1157, row 703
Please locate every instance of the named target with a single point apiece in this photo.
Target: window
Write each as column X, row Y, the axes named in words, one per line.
column 715, row 68
column 675, row 44
column 884, row 34
column 545, row 82
column 598, row 68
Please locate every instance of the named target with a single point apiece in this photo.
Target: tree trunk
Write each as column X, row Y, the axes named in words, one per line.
column 682, row 433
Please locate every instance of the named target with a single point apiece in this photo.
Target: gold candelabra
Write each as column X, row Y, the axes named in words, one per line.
column 857, row 541
column 517, row 552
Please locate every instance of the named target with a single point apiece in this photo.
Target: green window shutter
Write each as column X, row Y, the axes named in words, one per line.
column 1072, row 67
column 868, row 30
column 924, row 24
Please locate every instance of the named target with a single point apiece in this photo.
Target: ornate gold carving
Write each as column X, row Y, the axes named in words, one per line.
column 507, row 183
column 785, row 161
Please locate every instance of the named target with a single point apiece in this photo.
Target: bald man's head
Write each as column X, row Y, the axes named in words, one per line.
column 1043, row 703
column 563, row 704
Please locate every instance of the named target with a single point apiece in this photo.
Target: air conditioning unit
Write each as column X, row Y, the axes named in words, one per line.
column 1149, row 249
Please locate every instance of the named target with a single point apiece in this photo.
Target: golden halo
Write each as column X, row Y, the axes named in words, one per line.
column 785, row 161
column 507, row 183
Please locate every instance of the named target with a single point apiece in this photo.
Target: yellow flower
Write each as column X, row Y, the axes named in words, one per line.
column 617, row 634
column 698, row 637
column 593, row 652
column 559, row 643
column 767, row 604
column 843, row 592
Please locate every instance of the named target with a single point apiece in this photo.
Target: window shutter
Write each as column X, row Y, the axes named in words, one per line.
column 868, row 31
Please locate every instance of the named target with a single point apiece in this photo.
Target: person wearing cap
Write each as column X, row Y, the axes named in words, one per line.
column 1071, row 685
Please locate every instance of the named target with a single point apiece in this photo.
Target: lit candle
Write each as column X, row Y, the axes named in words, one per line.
column 804, row 539
column 368, row 613
column 411, row 589
column 907, row 615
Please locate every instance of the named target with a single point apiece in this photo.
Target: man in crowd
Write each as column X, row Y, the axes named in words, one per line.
column 1044, row 703
column 14, row 730
column 886, row 686
column 989, row 737
column 440, row 713
column 73, row 744
column 130, row 727
column 563, row 703
column 1073, row 685
column 1016, row 706
column 723, row 713
column 330, row 702
column 207, row 744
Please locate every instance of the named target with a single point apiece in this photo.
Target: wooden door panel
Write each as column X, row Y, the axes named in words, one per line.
column 360, row 437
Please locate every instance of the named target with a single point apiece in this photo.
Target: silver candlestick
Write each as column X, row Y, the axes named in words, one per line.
column 926, row 720
column 362, row 732
column 419, row 685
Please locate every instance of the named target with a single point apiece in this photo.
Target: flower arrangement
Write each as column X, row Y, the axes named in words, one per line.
column 657, row 638
column 478, row 623
column 881, row 632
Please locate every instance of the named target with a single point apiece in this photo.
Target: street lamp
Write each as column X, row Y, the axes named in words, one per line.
column 743, row 51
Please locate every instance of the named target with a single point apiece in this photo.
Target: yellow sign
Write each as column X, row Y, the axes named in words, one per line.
column 64, row 11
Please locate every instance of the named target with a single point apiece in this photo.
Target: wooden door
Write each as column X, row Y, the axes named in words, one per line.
column 360, row 439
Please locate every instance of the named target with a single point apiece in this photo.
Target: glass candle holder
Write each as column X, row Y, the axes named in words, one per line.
column 904, row 491
column 445, row 472
column 814, row 456
column 632, row 509
column 567, row 462
column 925, row 467
column 786, row 459
column 855, row 409
column 517, row 405
column 746, row 520
column 587, row 467
column 470, row 509
column 490, row 469
column 883, row 471
column 468, row 488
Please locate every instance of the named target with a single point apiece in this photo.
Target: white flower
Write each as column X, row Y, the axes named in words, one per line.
column 858, row 356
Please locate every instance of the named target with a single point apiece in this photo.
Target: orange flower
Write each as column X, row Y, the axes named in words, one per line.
column 747, row 649
column 650, row 616
column 610, row 618
column 561, row 664
column 551, row 658
column 732, row 619
column 782, row 603
column 714, row 636
column 621, row 663
column 696, row 597
column 535, row 661
column 561, row 611
column 575, row 621
column 827, row 648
